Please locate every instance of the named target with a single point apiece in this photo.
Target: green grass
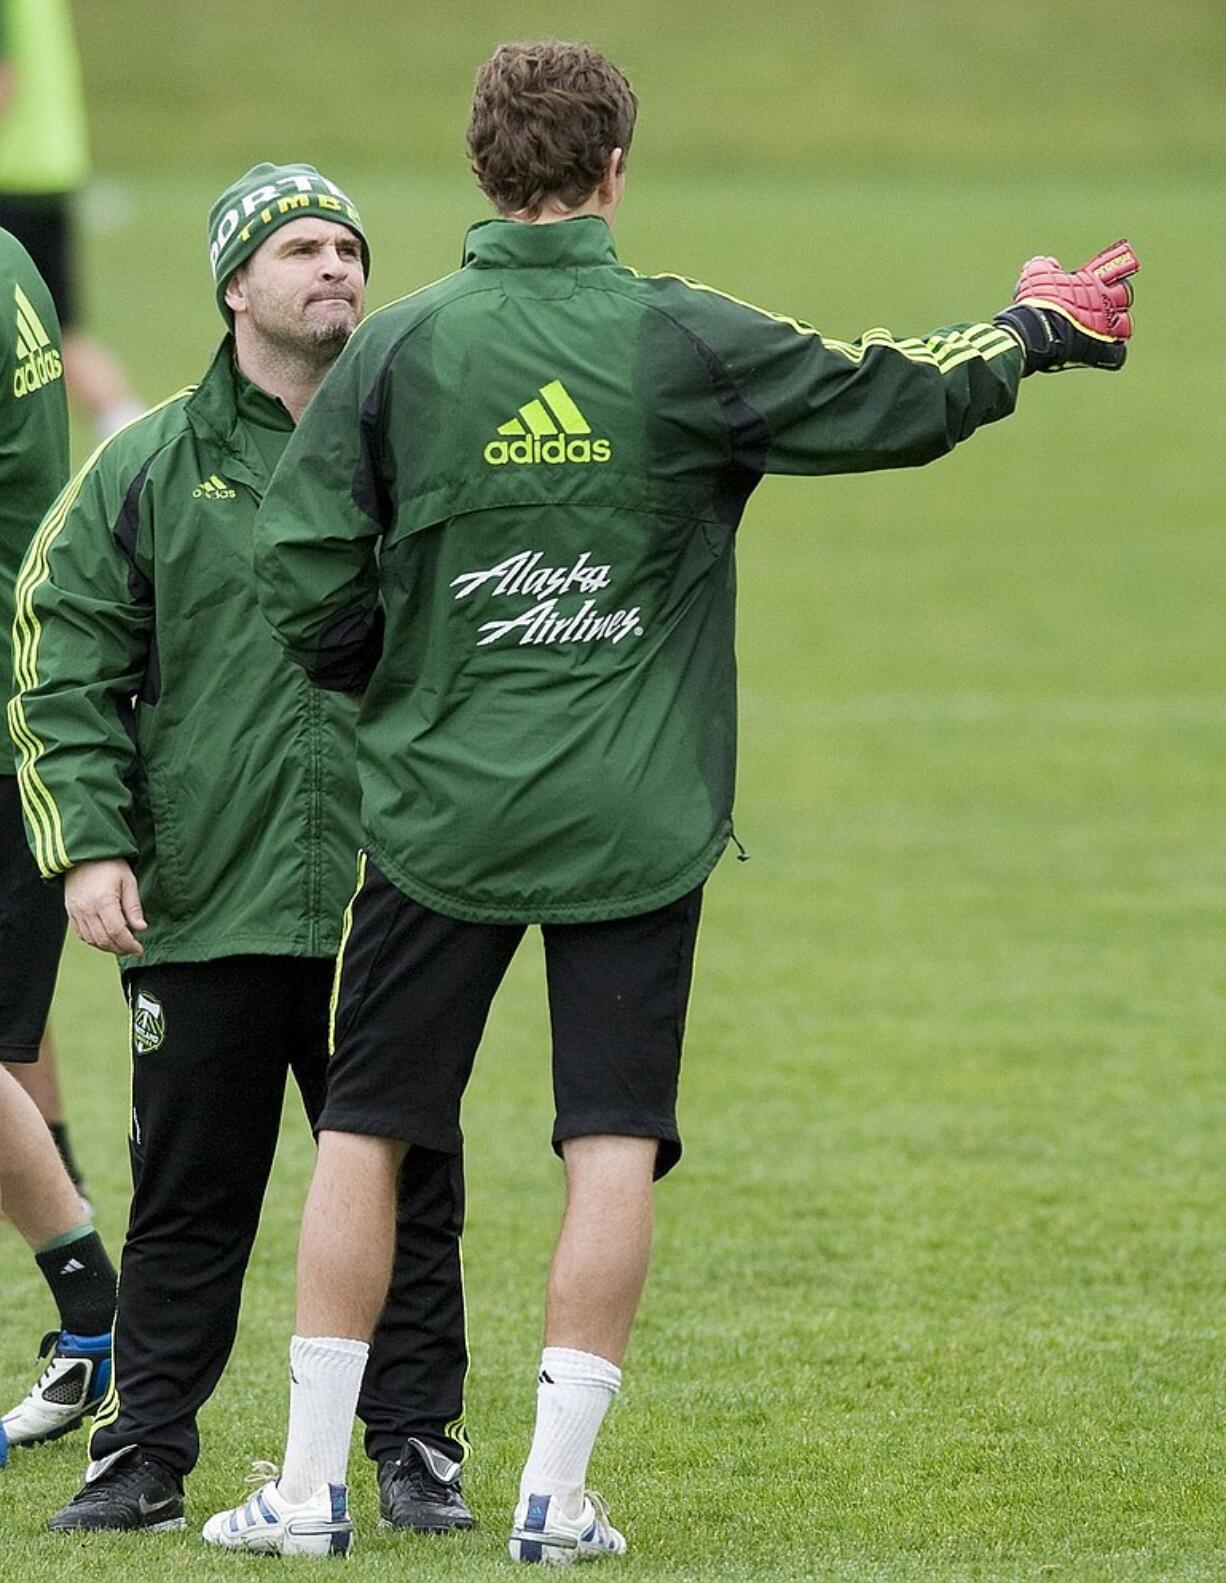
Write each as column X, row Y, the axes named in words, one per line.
column 938, row 1285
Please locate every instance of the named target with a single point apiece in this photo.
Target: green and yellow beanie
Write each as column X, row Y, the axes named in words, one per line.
column 269, row 196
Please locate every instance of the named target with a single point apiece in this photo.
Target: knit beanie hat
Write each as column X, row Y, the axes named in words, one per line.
column 269, row 196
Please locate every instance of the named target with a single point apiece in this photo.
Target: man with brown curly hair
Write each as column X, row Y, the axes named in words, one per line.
column 508, row 519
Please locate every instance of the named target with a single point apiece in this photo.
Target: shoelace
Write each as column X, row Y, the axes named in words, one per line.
column 46, row 1347
column 601, row 1507
column 261, row 1472
column 115, row 1481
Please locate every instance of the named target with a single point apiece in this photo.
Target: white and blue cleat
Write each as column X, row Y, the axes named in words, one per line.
column 68, row 1391
column 269, row 1525
column 543, row 1533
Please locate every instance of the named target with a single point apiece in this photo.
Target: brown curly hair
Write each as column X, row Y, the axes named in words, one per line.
column 545, row 119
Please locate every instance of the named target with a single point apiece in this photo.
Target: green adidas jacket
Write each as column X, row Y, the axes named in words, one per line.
column 33, row 431
column 510, row 513
column 158, row 719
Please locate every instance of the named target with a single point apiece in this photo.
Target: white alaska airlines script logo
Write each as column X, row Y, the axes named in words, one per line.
column 523, row 574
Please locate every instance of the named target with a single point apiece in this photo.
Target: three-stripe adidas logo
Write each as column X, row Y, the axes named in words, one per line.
column 214, row 488
column 549, row 428
column 38, row 361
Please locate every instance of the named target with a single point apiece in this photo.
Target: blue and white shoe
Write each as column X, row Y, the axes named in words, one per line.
column 66, row 1393
column 4, row 1445
column 544, row 1534
column 269, row 1525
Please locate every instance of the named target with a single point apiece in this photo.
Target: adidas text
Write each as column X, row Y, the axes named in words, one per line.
column 39, row 369
column 214, row 488
column 553, row 448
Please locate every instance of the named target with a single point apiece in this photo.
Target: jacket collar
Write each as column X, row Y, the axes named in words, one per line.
column 220, row 413
column 565, row 244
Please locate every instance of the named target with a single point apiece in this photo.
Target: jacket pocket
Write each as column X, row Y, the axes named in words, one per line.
column 168, row 881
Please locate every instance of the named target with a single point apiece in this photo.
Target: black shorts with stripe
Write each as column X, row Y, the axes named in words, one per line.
column 32, row 926
column 414, row 989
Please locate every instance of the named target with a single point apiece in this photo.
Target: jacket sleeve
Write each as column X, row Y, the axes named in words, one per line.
column 798, row 402
column 317, row 532
column 81, row 641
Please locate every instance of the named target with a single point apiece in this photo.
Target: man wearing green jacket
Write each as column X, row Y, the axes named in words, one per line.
column 35, row 1191
column 509, row 520
column 198, row 796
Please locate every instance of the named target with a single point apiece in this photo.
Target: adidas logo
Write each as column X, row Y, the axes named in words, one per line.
column 549, row 428
column 38, row 361
column 73, row 1267
column 214, row 488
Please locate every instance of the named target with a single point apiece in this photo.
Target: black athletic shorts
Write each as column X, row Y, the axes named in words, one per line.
column 414, row 990
column 32, row 924
column 42, row 223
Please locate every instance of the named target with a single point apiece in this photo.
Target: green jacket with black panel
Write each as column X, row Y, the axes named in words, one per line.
column 158, row 720
column 509, row 514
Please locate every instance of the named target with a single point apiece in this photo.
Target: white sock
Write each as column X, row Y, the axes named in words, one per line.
column 573, row 1393
column 325, row 1378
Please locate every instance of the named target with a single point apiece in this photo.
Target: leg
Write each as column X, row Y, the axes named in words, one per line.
column 43, row 1204
column 412, row 1400
column 414, row 1383
column 348, row 1235
column 600, row 1262
column 40, row 1079
column 208, row 1078
column 618, row 993
column 38, row 1196
column 413, row 993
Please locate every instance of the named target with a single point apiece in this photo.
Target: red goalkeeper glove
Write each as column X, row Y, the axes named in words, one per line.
column 1077, row 320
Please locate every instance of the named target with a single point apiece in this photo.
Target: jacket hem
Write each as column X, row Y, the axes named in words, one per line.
column 598, row 910
column 211, row 949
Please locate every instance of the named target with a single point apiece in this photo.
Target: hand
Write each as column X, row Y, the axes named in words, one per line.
column 1074, row 320
column 103, row 905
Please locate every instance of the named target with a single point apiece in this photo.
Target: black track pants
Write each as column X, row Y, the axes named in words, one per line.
column 212, row 1043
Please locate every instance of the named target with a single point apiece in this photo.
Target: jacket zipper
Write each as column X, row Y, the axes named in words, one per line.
column 315, row 817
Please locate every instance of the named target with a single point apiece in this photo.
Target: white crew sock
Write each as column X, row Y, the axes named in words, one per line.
column 573, row 1393
column 325, row 1378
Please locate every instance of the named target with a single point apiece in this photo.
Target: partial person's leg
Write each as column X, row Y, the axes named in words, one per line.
column 43, row 1204
column 38, row 1197
column 41, row 1081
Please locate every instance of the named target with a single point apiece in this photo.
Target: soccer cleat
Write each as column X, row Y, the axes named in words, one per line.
column 421, row 1490
column 545, row 1535
column 269, row 1525
column 124, row 1491
column 68, row 1390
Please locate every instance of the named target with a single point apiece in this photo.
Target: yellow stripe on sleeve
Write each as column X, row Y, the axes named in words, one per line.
column 40, row 806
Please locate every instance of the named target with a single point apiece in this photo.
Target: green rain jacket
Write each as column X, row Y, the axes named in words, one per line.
column 158, row 719
column 510, row 514
column 33, row 431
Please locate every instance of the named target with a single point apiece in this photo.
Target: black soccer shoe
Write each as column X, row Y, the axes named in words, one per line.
column 421, row 1491
column 123, row 1491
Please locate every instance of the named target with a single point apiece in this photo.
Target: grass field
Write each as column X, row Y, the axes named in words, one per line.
column 939, row 1284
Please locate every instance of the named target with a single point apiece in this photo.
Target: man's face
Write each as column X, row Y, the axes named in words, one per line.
column 303, row 289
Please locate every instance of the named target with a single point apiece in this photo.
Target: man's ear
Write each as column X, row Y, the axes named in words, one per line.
column 614, row 166
column 236, row 296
